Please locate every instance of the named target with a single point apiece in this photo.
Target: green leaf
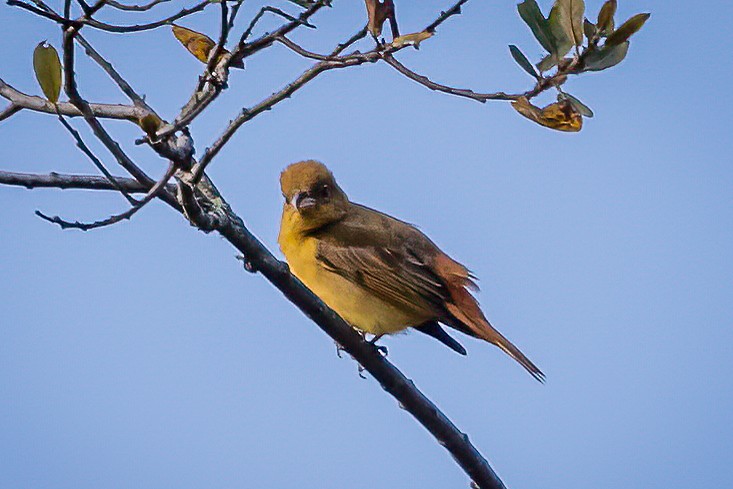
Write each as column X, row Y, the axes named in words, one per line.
column 579, row 106
column 522, row 61
column 589, row 29
column 532, row 16
column 627, row 29
column 572, row 12
column 605, row 57
column 47, row 67
column 605, row 18
column 560, row 31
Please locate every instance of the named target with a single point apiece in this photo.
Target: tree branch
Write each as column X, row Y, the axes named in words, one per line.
column 154, row 192
column 135, row 8
column 38, row 104
column 276, row 11
column 88, row 152
column 120, row 29
column 459, row 92
column 10, row 111
column 80, row 182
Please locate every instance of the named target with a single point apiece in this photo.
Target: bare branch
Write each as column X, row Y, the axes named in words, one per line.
column 276, row 11
column 125, row 87
column 301, row 51
column 100, row 166
column 110, row 27
column 245, row 49
column 135, row 8
column 216, row 52
column 233, row 14
column 454, row 10
column 154, row 191
column 356, row 37
column 460, row 92
column 80, row 182
column 75, row 98
column 10, row 111
column 327, row 63
column 203, row 96
column 38, row 104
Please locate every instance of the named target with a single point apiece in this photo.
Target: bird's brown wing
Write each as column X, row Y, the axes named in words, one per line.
column 388, row 257
column 392, row 274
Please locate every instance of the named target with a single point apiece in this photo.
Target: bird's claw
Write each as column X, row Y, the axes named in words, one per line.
column 380, row 348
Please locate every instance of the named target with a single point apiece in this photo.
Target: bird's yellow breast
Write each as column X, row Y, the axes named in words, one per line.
column 356, row 305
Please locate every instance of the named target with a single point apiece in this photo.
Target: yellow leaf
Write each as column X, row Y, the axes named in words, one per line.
column 150, row 123
column 47, row 67
column 560, row 115
column 412, row 39
column 200, row 45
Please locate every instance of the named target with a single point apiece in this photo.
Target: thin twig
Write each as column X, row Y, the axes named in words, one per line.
column 234, row 12
column 100, row 166
column 154, row 191
column 301, row 51
column 113, row 74
column 216, row 52
column 459, row 92
column 75, row 98
column 135, row 8
column 110, row 27
column 200, row 99
column 245, row 49
column 276, row 11
column 361, row 34
column 454, row 10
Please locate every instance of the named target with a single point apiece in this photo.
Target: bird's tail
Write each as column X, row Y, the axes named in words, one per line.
column 467, row 313
column 466, row 310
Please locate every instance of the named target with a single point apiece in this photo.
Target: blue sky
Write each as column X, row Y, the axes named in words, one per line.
column 143, row 356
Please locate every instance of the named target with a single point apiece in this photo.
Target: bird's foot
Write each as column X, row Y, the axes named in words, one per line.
column 339, row 349
column 380, row 348
column 361, row 371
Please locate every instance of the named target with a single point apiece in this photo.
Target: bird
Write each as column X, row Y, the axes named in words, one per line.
column 380, row 274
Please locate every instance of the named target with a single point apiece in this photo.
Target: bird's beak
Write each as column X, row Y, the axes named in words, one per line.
column 302, row 201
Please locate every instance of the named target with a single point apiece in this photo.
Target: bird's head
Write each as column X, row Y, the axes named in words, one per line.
column 312, row 195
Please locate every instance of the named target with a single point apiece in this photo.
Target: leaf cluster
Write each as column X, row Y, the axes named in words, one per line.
column 594, row 47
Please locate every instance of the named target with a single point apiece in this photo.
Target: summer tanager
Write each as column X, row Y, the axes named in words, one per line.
column 380, row 274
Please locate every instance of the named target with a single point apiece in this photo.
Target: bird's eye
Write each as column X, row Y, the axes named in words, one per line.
column 324, row 192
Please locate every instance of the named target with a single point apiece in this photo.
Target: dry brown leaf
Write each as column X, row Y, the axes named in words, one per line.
column 560, row 115
column 378, row 12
